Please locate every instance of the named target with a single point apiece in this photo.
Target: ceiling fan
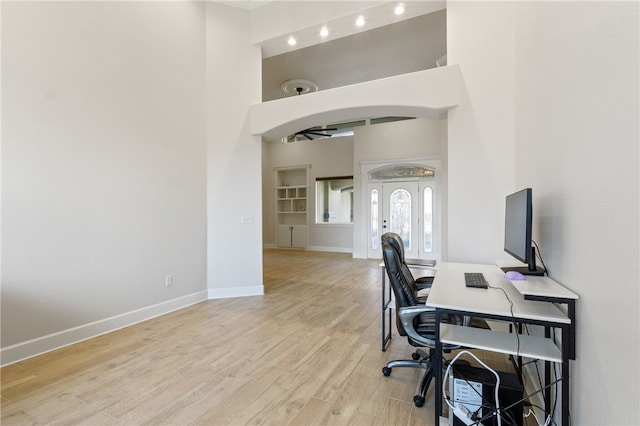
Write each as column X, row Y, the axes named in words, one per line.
column 319, row 132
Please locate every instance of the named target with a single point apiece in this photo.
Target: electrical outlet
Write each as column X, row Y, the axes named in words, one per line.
column 247, row 220
column 168, row 280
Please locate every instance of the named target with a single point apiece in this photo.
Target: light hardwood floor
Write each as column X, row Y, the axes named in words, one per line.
column 305, row 353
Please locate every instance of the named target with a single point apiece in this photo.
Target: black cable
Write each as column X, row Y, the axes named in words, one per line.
column 505, row 415
column 545, row 413
column 535, row 361
column 539, row 256
column 526, row 397
column 555, row 376
column 513, row 317
column 556, row 381
column 522, row 400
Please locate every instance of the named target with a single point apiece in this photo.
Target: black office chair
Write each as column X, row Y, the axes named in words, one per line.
column 415, row 321
column 396, row 242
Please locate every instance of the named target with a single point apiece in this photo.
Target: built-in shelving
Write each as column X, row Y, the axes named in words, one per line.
column 291, row 189
column 292, row 200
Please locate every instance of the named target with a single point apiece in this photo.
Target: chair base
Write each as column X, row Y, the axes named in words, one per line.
column 423, row 360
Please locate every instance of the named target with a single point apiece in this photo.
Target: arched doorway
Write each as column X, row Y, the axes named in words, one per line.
column 424, row 94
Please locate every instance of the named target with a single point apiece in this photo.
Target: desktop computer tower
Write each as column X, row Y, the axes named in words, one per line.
column 473, row 387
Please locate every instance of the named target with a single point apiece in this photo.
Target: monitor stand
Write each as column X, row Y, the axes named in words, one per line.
column 530, row 269
column 524, row 270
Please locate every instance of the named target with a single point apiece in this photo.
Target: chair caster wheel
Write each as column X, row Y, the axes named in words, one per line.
column 418, row 401
column 386, row 371
column 416, row 356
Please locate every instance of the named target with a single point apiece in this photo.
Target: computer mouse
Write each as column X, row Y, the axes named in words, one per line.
column 513, row 275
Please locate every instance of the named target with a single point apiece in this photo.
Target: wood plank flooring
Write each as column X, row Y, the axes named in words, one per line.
column 305, row 353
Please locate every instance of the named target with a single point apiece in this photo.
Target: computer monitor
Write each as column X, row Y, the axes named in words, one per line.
column 518, row 218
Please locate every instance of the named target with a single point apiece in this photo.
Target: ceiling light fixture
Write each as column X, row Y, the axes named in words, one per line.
column 360, row 21
column 399, row 10
column 291, row 41
column 298, row 87
column 324, row 32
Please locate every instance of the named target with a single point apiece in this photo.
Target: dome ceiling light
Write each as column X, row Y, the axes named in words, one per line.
column 298, row 87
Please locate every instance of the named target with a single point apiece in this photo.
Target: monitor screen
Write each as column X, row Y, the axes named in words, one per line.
column 518, row 218
column 517, row 225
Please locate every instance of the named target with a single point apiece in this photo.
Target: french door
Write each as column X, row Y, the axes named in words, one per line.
column 406, row 208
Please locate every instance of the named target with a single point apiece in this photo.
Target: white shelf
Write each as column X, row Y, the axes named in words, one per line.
column 499, row 341
column 291, row 191
column 543, row 287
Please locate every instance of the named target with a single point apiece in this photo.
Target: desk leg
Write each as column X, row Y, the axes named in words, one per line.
column 437, row 366
column 386, row 334
column 566, row 349
column 571, row 305
column 547, row 376
column 384, row 311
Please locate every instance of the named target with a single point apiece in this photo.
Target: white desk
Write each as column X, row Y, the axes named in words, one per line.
column 530, row 306
column 449, row 291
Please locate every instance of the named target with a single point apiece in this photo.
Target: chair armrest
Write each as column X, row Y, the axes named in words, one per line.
column 422, row 299
column 407, row 316
column 424, row 282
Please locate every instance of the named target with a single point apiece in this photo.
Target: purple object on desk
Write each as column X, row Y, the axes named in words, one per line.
column 513, row 275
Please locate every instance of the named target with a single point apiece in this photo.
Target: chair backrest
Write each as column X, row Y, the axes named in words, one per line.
column 395, row 241
column 403, row 290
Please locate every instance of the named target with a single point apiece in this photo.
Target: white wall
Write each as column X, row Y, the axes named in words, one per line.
column 577, row 146
column 552, row 103
column 234, row 188
column 103, row 167
column 420, row 138
column 480, row 139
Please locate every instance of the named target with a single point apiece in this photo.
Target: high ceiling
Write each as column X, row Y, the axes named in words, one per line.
column 406, row 46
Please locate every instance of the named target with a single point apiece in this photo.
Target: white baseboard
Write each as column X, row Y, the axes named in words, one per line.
column 330, row 249
column 360, row 255
column 224, row 293
column 40, row 345
column 313, row 248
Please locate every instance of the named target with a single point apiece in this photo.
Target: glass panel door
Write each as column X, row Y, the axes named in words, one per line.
column 400, row 214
